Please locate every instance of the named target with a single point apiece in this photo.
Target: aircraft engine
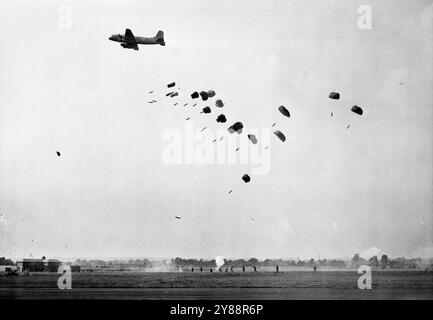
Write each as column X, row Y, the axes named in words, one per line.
column 126, row 45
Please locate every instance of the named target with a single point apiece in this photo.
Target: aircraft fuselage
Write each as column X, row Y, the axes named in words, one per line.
column 139, row 40
column 128, row 40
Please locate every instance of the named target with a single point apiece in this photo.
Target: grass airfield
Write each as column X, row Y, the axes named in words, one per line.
column 220, row 285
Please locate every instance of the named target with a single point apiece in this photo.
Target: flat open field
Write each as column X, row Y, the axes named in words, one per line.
column 220, row 285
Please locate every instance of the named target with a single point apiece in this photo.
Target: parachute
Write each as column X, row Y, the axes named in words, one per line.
column 174, row 94
column 211, row 93
column 246, row 178
column 58, row 153
column 206, row 110
column 280, row 135
column 284, row 111
column 171, row 85
column 236, row 127
column 204, row 95
column 219, row 103
column 252, row 138
column 221, row 118
column 334, row 95
column 194, row 95
column 357, row 110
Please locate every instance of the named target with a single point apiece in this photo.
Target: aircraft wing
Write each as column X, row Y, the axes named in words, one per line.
column 129, row 37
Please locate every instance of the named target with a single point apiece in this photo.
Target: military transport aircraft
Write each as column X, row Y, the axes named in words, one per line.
column 129, row 41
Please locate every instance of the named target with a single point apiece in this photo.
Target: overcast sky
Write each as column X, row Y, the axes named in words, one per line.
column 330, row 190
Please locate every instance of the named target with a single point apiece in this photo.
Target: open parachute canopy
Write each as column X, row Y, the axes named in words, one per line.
column 219, row 103
column 236, row 127
column 334, row 95
column 206, row 110
column 284, row 111
column 252, row 138
column 204, row 95
column 280, row 135
column 357, row 110
column 246, row 178
column 221, row 118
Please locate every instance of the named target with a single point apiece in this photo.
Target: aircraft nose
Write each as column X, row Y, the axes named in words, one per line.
column 111, row 38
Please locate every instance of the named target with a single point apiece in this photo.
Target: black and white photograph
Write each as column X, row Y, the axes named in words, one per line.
column 215, row 150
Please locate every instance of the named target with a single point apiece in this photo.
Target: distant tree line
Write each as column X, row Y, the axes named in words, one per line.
column 118, row 263
column 6, row 262
column 374, row 262
column 383, row 263
column 261, row 263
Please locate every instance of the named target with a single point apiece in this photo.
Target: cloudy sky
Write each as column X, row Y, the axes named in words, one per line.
column 330, row 190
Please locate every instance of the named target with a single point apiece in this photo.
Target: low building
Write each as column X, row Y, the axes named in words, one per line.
column 52, row 265
column 31, row 265
column 8, row 270
column 38, row 265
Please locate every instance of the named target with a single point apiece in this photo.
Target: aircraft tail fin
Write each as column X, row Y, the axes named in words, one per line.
column 160, row 38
